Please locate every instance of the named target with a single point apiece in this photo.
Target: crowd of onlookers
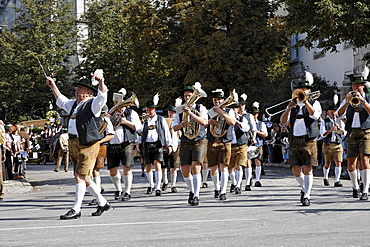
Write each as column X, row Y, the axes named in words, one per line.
column 22, row 143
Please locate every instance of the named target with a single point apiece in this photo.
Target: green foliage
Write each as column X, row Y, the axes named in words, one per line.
column 43, row 30
column 331, row 22
column 149, row 47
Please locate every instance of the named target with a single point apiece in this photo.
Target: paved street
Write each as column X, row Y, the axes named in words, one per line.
column 267, row 216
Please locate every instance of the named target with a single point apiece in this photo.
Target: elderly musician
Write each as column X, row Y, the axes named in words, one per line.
column 84, row 137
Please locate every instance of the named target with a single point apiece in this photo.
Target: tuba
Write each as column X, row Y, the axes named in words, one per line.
column 192, row 129
column 219, row 129
column 115, row 116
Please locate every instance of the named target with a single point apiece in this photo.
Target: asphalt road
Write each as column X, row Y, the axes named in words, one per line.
column 267, row 216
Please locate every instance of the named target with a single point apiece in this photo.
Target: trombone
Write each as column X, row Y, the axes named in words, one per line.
column 298, row 96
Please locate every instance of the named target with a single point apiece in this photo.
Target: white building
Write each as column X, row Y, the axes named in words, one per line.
column 337, row 67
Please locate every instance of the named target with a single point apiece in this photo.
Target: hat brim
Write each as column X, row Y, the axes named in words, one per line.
column 86, row 86
column 186, row 90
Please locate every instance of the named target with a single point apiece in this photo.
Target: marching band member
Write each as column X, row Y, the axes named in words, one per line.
column 171, row 161
column 332, row 131
column 358, row 133
column 126, row 122
column 84, row 138
column 191, row 121
column 303, row 117
column 102, row 155
column 238, row 150
column 251, row 138
column 155, row 137
column 219, row 136
column 261, row 133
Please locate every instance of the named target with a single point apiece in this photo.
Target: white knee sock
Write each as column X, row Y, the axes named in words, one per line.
column 117, row 182
column 94, row 190
column 216, row 182
column 224, row 176
column 158, row 179
column 326, row 172
column 205, row 175
column 365, row 180
column 127, row 179
column 79, row 196
column 338, row 171
column 300, row 180
column 353, row 176
column 197, row 180
column 248, row 175
column 97, row 180
column 239, row 178
column 149, row 176
column 308, row 181
column 232, row 177
column 258, row 173
column 164, row 176
column 189, row 183
column 173, row 179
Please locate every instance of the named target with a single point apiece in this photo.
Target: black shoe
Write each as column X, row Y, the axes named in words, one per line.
column 204, row 185
column 126, row 197
column 191, row 198
column 326, row 182
column 301, row 196
column 306, row 202
column 117, row 195
column 158, row 193
column 149, row 190
column 71, row 214
column 101, row 190
column 93, row 202
column 173, row 190
column 102, row 209
column 355, row 193
column 217, row 194
column 223, row 197
column 238, row 191
column 195, row 201
column 364, row 197
column 232, row 188
column 248, row 188
column 257, row 184
column 142, row 174
column 338, row 184
column 56, row 170
column 164, row 187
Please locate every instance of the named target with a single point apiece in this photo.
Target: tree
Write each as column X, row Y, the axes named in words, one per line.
column 330, row 22
column 44, row 31
column 123, row 40
column 154, row 46
column 230, row 44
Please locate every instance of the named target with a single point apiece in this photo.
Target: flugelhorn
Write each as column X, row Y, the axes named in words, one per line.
column 115, row 119
column 354, row 101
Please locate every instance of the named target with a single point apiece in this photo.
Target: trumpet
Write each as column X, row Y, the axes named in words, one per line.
column 298, row 96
